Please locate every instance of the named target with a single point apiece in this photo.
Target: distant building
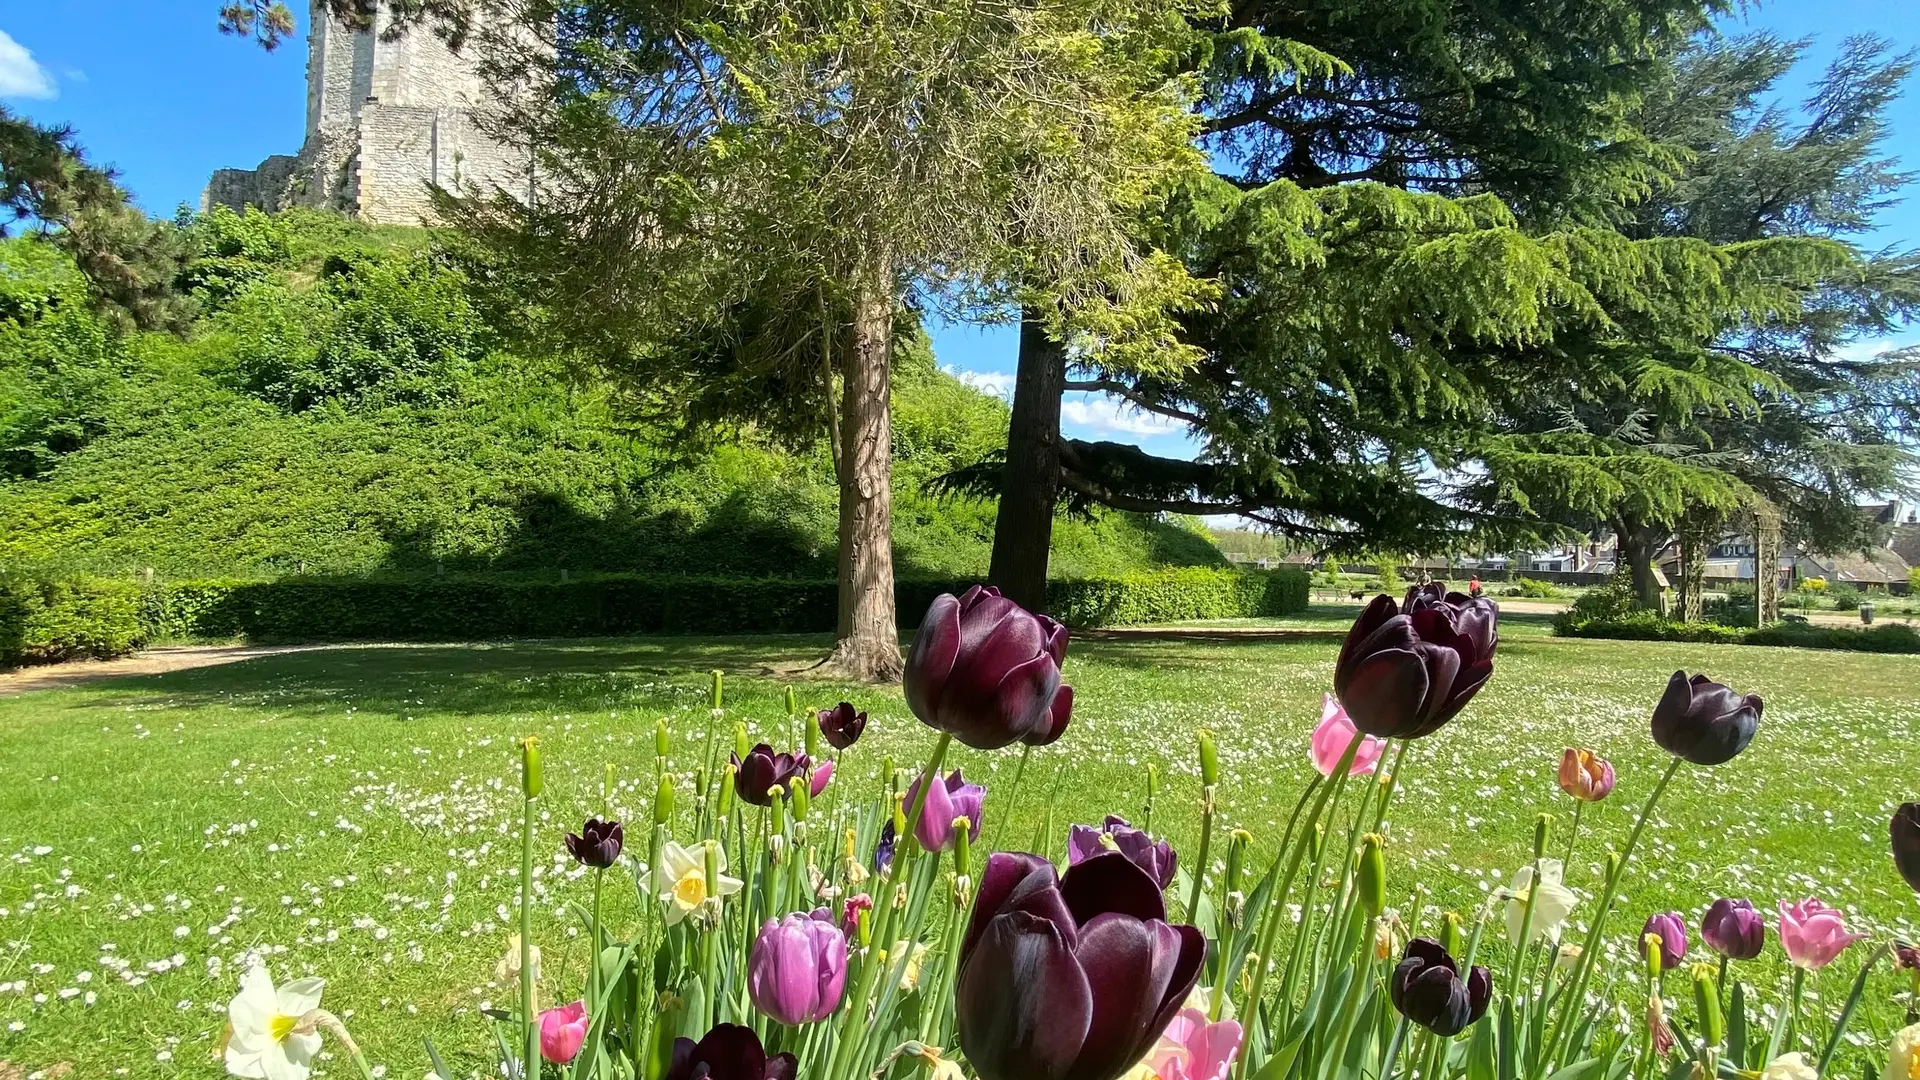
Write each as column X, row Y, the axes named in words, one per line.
column 385, row 119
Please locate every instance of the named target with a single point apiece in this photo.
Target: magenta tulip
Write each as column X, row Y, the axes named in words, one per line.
column 1193, row 1049
column 987, row 671
column 1813, row 933
column 562, row 1030
column 797, row 970
column 1335, row 733
column 1671, row 930
column 1156, row 857
column 946, row 800
column 817, row 781
column 1734, row 929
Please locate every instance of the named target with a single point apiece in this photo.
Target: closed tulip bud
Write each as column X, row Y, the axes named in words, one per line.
column 663, row 802
column 798, row 794
column 718, row 678
column 777, row 807
column 532, row 782
column 1706, row 1003
column 740, row 743
column 1734, row 929
column 1542, row 825
column 1704, row 722
column 797, row 970
column 661, row 743
column 900, row 815
column 597, row 844
column 1650, row 947
column 987, row 671
column 1370, row 879
column 1237, row 842
column 1585, row 776
column 1453, row 936
column 793, row 707
column 843, row 725
column 1209, row 760
column 812, row 738
column 727, row 774
column 866, row 925
column 700, row 782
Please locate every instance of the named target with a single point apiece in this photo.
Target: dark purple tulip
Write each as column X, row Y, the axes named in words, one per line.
column 842, row 725
column 883, row 851
column 1156, row 857
column 1405, row 671
column 987, row 671
column 1702, row 721
column 598, row 844
column 1427, row 989
column 1733, row 929
column 1069, row 978
column 728, row 1052
column 947, row 801
column 1906, row 842
column 1671, row 929
column 1906, row 956
column 764, row 770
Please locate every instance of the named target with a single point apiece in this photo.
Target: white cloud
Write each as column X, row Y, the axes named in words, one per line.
column 1105, row 415
column 997, row 383
column 20, row 74
column 1861, row 351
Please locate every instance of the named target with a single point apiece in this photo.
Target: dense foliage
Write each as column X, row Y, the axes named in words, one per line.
column 342, row 406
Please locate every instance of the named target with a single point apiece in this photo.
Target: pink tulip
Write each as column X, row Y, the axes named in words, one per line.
column 1192, row 1049
column 1332, row 737
column 1813, row 933
column 817, row 783
column 562, row 1030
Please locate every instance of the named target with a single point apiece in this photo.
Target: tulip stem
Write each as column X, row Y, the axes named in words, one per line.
column 530, row 1035
column 1571, row 1004
column 1573, row 833
column 1013, row 797
column 1521, row 947
column 593, row 947
column 1393, row 1049
column 1206, row 843
column 1846, row 1013
column 1270, row 924
column 854, row 1023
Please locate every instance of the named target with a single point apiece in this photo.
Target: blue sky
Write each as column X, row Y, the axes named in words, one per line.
column 154, row 90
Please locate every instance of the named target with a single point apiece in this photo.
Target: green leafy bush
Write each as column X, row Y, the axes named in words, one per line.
column 1845, row 597
column 47, row 619
column 59, row 364
column 459, row 607
column 1534, row 588
column 1650, row 626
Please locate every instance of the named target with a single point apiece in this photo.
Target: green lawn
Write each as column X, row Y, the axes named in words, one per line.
column 347, row 811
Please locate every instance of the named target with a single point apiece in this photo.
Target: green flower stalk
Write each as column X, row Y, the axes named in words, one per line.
column 1209, row 784
column 531, row 783
column 1706, row 1004
column 1370, row 877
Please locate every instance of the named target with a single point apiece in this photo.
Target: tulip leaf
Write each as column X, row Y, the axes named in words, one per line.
column 693, row 1017
column 1737, row 1027
column 1509, row 1043
column 613, row 961
column 1360, row 1047
column 1681, row 1068
column 1579, row 1070
column 1480, row 1052
column 1281, row 1062
column 440, row 1070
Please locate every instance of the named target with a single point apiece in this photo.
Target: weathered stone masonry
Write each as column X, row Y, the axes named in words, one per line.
column 384, row 120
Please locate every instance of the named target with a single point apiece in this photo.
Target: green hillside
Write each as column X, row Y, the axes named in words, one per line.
column 343, row 405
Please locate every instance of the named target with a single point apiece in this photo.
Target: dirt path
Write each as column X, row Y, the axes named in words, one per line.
column 150, row 662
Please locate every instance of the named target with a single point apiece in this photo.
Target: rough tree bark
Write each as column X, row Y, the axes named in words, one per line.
column 1023, row 530
column 1638, row 545
column 1766, row 564
column 867, row 639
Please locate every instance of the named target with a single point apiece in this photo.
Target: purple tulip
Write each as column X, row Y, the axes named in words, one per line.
column 1069, row 978
column 764, row 770
column 842, row 725
column 883, row 850
column 1702, row 721
column 987, row 671
column 1427, row 989
column 1733, row 929
column 1155, row 857
column 1906, row 842
column 1403, row 672
column 798, row 969
column 1671, row 929
column 598, row 844
column 946, row 800
column 728, row 1052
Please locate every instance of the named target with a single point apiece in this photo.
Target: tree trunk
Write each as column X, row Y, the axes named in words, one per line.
column 1638, row 545
column 867, row 641
column 1023, row 530
column 1766, row 565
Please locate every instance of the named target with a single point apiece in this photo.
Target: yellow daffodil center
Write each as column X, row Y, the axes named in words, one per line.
column 691, row 890
column 1913, row 1064
column 282, row 1026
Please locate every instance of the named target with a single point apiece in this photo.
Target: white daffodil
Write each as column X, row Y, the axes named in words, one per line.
column 681, row 881
column 273, row 1038
column 1789, row 1067
column 1903, row 1063
column 1551, row 906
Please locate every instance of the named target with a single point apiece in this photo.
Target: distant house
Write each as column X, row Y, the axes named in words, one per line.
column 1877, row 568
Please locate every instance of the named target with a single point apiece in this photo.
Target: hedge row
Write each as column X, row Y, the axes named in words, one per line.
column 1885, row 638
column 44, row 620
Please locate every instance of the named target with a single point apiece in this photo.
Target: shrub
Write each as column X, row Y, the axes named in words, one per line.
column 1390, row 578
column 1816, row 584
column 47, row 619
column 1537, row 589
column 1650, row 626
column 456, row 607
column 1845, row 597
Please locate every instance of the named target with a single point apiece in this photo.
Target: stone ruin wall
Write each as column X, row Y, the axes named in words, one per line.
column 385, row 119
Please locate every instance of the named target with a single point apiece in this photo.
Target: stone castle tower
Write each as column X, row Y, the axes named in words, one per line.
column 385, row 119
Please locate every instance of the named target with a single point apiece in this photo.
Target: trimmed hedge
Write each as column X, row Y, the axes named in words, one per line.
column 1647, row 626
column 43, row 620
column 120, row 615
